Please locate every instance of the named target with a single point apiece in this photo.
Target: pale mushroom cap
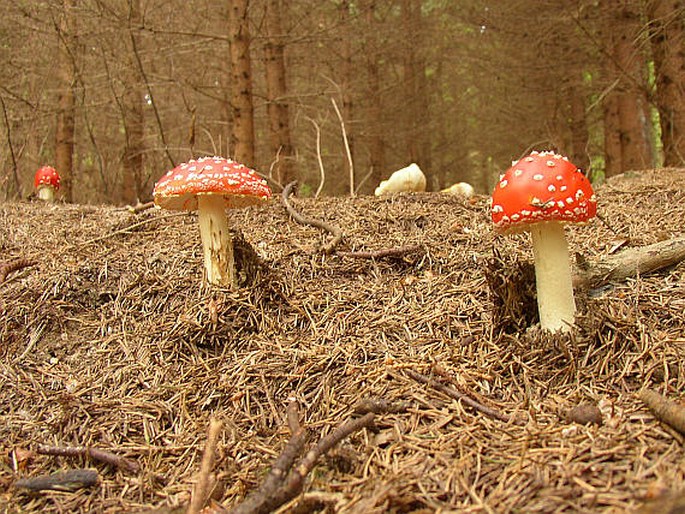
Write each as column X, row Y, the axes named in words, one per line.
column 239, row 185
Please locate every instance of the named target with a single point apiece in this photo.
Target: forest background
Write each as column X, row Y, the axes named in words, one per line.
column 334, row 93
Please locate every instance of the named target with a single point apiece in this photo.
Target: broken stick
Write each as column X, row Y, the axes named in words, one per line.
column 285, row 480
column 304, row 220
column 461, row 397
column 665, row 410
column 16, row 265
column 202, row 487
column 67, row 481
column 631, row 262
column 381, row 254
column 94, row 453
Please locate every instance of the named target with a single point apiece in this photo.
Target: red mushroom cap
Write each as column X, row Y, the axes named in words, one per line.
column 542, row 187
column 240, row 185
column 46, row 176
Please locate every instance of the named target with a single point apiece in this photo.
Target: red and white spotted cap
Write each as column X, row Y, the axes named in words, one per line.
column 46, row 176
column 544, row 186
column 239, row 185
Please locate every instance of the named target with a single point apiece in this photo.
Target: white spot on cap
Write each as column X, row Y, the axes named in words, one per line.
column 551, row 164
column 551, row 188
column 538, row 176
column 503, row 184
column 518, row 173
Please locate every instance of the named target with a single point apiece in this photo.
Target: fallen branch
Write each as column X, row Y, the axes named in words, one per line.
column 631, row 262
column 304, row 220
column 202, row 487
column 379, row 406
column 67, row 481
column 93, row 453
column 140, row 207
column 104, row 456
column 15, row 265
column 135, row 225
column 665, row 410
column 286, row 480
column 381, row 254
column 461, row 397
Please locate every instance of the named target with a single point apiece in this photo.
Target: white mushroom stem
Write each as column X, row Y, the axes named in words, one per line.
column 553, row 278
column 217, row 245
column 46, row 193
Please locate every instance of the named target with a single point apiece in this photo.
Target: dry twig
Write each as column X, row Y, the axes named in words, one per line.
column 632, row 262
column 202, row 487
column 348, row 152
column 94, row 453
column 67, row 481
column 135, row 225
column 15, row 265
column 285, row 481
column 140, row 207
column 665, row 410
column 304, row 220
column 381, row 254
column 461, row 397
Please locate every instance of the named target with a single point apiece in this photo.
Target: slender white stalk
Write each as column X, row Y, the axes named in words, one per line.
column 46, row 193
column 216, row 241
column 556, row 304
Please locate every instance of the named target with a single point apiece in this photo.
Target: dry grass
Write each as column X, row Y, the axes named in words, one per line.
column 113, row 341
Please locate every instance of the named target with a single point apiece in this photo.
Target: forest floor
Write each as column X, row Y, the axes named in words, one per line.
column 110, row 340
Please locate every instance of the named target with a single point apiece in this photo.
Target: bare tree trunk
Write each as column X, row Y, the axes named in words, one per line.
column 409, row 80
column 612, row 137
column 242, row 107
column 668, row 42
column 627, row 98
column 346, row 89
column 277, row 106
column 578, row 126
column 66, row 77
column 375, row 104
column 133, row 118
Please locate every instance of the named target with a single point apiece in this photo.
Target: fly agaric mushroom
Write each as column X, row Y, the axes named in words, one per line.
column 541, row 193
column 46, row 181
column 210, row 185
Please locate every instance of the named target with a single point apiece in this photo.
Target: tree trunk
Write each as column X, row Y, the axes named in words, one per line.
column 346, row 82
column 242, row 107
column 409, row 67
column 375, row 104
column 578, row 126
column 276, row 90
column 668, row 50
column 626, row 99
column 612, row 137
column 66, row 78
column 133, row 118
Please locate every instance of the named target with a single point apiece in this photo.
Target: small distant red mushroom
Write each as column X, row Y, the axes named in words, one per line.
column 46, row 182
column 210, row 185
column 541, row 193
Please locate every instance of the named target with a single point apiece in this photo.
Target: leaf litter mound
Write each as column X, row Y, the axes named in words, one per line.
column 111, row 340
